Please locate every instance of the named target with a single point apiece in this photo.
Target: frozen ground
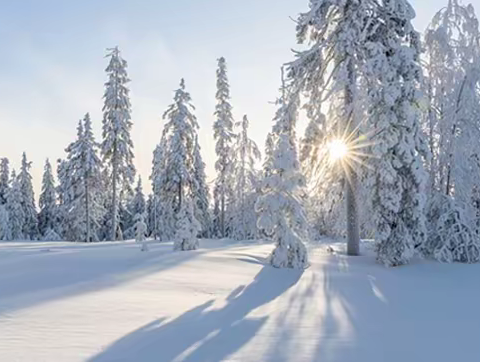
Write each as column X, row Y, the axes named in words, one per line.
column 110, row 302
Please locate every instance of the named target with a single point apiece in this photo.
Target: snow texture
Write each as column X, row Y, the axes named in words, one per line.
column 100, row 302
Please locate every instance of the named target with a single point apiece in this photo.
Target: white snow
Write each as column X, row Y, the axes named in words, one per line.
column 111, row 302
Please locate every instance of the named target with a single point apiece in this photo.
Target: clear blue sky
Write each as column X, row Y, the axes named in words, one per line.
column 52, row 66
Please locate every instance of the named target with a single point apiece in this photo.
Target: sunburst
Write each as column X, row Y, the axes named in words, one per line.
column 351, row 150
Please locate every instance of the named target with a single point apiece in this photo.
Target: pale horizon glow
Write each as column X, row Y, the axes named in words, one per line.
column 52, row 67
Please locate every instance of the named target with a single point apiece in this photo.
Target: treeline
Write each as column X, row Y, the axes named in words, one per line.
column 97, row 197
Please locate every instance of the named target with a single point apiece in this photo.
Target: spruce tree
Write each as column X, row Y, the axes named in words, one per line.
column 176, row 176
column 246, row 184
column 136, row 206
column 224, row 137
column 117, row 145
column 400, row 179
column 200, row 192
column 85, row 168
column 15, row 208
column 65, row 197
column 30, row 226
column 5, row 228
column 4, row 180
column 281, row 215
column 47, row 218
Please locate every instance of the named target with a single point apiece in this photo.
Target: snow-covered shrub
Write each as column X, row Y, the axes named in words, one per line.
column 187, row 228
column 451, row 237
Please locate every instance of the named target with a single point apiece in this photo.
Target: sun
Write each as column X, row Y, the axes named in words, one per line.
column 338, row 150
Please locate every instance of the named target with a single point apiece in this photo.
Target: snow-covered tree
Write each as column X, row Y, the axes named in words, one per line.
column 5, row 229
column 246, row 184
column 187, row 228
column 224, row 137
column 4, row 180
column 364, row 60
column 329, row 75
column 452, row 50
column 15, row 209
column 47, row 217
column 164, row 195
column 173, row 175
column 200, row 192
column 85, row 167
column 65, row 197
column 117, row 145
column 136, row 206
column 452, row 44
column 281, row 215
column 30, row 225
column 394, row 74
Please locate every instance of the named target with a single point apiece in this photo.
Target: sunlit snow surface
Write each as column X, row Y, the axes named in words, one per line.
column 111, row 302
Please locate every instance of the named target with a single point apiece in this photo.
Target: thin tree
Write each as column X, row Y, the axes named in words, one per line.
column 246, row 183
column 117, row 145
column 30, row 226
column 224, row 137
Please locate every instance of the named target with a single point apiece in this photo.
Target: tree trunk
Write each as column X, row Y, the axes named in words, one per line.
column 353, row 229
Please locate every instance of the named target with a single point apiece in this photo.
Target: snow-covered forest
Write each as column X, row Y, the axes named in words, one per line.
column 351, row 234
column 391, row 151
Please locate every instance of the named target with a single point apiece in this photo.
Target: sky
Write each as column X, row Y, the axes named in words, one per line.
column 53, row 60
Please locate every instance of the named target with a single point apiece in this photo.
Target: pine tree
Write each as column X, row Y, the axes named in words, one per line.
column 117, row 146
column 30, row 226
column 47, row 218
column 281, row 215
column 224, row 137
column 15, row 209
column 246, row 184
column 4, row 180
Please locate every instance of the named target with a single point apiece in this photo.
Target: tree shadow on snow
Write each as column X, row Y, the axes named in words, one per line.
column 52, row 276
column 203, row 334
column 373, row 313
